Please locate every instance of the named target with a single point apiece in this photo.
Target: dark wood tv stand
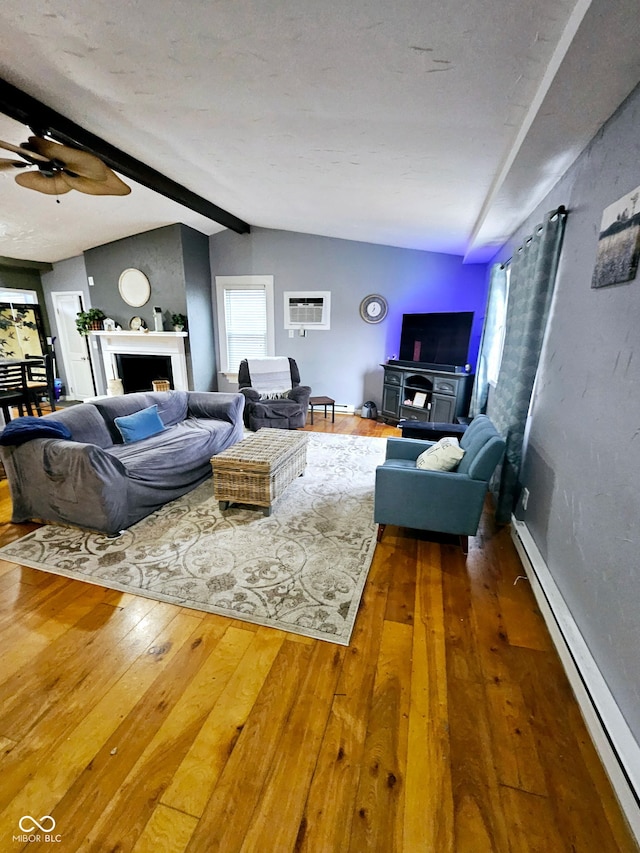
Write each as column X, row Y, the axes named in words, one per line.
column 446, row 394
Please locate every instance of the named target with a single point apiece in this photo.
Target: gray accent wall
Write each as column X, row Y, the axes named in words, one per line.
column 199, row 309
column 158, row 254
column 582, row 451
column 344, row 362
column 175, row 259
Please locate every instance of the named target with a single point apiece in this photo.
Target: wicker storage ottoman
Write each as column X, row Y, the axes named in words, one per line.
column 258, row 469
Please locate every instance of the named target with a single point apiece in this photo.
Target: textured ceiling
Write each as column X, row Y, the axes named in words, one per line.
column 427, row 125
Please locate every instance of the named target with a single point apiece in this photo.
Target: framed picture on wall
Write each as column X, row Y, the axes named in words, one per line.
column 619, row 242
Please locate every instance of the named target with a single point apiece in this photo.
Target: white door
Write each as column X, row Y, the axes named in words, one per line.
column 73, row 348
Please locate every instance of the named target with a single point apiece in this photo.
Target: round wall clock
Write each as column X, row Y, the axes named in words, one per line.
column 373, row 308
column 137, row 323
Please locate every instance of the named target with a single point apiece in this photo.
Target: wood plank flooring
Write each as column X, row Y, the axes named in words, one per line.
column 447, row 725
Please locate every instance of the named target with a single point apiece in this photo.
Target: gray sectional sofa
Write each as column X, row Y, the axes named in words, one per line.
column 94, row 480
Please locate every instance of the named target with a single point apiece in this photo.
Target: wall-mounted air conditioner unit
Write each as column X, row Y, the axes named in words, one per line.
column 307, row 309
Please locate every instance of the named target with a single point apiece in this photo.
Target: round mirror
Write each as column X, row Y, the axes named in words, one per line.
column 134, row 287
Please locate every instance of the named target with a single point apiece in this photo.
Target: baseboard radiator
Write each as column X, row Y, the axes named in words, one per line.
column 616, row 745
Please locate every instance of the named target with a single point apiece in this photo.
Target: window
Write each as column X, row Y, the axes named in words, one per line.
column 245, row 318
column 18, row 297
column 494, row 355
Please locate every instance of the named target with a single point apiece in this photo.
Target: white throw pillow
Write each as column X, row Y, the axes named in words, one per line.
column 444, row 455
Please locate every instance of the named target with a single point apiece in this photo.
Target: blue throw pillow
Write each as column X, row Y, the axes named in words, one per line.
column 26, row 428
column 142, row 424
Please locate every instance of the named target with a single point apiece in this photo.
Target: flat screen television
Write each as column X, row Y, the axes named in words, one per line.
column 436, row 339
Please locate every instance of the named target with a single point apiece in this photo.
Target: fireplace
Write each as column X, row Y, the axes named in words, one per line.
column 139, row 371
column 169, row 347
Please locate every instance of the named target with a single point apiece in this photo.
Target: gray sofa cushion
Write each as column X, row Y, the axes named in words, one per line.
column 172, row 408
column 85, row 423
column 171, row 457
column 165, row 466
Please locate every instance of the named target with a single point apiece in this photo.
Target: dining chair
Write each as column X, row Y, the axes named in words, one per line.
column 40, row 381
column 13, row 389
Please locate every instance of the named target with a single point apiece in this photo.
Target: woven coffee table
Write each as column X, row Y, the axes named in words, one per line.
column 258, row 469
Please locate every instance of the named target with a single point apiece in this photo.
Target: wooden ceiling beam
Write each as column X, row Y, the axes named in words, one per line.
column 42, row 119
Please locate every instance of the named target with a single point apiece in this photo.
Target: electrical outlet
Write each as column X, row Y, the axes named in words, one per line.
column 525, row 498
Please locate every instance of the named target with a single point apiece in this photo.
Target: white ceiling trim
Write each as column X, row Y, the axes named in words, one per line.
column 565, row 42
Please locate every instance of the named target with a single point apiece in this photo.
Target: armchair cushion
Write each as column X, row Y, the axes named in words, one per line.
column 440, row 501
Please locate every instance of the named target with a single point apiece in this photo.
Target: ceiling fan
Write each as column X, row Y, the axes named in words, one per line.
column 61, row 168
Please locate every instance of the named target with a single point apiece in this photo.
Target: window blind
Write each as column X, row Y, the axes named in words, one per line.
column 245, row 313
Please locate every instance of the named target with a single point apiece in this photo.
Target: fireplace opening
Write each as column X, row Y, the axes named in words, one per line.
column 139, row 371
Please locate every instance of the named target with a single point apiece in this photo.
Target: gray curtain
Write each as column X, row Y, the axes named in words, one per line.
column 497, row 285
column 533, row 274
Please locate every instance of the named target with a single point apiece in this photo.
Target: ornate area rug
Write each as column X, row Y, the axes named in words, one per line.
column 302, row 569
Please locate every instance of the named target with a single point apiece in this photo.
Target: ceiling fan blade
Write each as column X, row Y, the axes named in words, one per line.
column 111, row 186
column 8, row 146
column 11, row 164
column 41, row 183
column 81, row 162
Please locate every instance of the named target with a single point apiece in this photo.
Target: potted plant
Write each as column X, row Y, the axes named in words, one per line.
column 90, row 321
column 179, row 321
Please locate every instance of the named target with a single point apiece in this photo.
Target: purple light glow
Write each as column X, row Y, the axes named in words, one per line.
column 439, row 283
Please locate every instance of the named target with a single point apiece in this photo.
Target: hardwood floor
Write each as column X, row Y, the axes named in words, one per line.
column 446, row 726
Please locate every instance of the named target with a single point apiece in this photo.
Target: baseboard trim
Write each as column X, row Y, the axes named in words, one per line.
column 613, row 739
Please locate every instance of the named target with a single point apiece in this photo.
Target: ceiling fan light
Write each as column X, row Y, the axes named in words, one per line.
column 75, row 160
column 61, row 168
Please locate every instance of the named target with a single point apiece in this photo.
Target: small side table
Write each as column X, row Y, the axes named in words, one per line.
column 323, row 401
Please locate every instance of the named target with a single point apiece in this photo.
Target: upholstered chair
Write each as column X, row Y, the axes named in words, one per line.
column 438, row 500
column 274, row 397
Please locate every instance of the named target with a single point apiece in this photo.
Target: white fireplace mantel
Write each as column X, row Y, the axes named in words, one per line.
column 145, row 343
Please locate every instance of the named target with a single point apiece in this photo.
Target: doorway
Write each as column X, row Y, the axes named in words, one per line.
column 73, row 349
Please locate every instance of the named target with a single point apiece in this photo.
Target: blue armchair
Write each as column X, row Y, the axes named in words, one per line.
column 440, row 501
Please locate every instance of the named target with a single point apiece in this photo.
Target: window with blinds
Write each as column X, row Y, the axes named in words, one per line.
column 245, row 315
column 19, row 297
column 245, row 319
